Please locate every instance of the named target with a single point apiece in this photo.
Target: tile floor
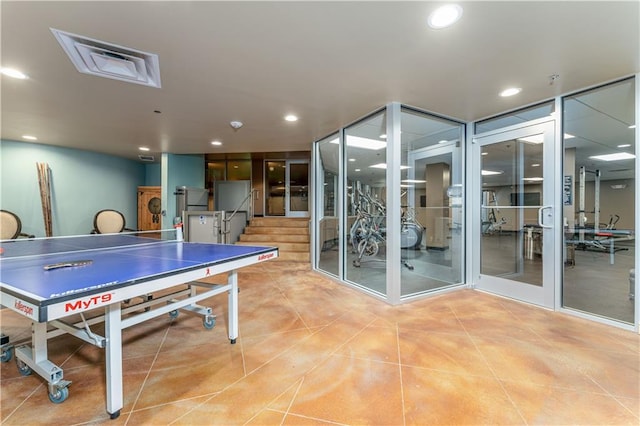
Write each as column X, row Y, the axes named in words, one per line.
column 314, row 352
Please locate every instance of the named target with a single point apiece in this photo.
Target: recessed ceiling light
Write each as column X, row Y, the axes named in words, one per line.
column 533, row 179
column 624, row 145
column 485, row 153
column 443, row 141
column 444, row 16
column 216, row 143
column 143, row 148
column 614, row 157
column 352, row 159
column 383, row 136
column 633, row 126
column 535, row 165
column 291, row 117
column 568, row 136
column 510, row 92
column 534, row 139
column 384, row 166
column 29, row 137
column 413, row 181
column 490, row 172
column 10, row 72
column 364, row 143
column 357, row 170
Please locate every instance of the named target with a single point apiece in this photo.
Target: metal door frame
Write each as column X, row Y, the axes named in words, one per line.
column 287, row 185
column 546, row 295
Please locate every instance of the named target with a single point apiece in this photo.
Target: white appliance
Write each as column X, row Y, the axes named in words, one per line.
column 189, row 199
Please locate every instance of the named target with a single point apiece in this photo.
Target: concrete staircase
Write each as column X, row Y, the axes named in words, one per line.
column 290, row 235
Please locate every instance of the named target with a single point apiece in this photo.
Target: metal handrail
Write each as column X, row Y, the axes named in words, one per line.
column 250, row 215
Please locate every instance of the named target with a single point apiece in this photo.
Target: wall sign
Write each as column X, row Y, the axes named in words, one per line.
column 567, row 193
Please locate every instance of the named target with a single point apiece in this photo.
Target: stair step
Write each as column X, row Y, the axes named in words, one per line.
column 290, row 235
column 275, row 230
column 275, row 238
column 282, row 247
column 280, row 222
column 293, row 257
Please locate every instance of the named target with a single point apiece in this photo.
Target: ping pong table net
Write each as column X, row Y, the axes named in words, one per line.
column 49, row 246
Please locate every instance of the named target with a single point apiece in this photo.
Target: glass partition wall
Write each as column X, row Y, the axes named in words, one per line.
column 599, row 201
column 551, row 204
column 365, row 154
column 431, row 188
column 328, row 236
column 389, row 191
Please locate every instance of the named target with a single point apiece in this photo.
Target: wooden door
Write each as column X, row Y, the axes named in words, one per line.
column 149, row 208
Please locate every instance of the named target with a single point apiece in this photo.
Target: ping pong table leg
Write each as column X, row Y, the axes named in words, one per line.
column 232, row 279
column 612, row 252
column 113, row 333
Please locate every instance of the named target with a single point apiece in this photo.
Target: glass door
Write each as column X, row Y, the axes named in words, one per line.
column 514, row 204
column 287, row 188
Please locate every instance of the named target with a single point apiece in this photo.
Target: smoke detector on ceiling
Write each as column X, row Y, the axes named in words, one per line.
column 236, row 124
column 109, row 60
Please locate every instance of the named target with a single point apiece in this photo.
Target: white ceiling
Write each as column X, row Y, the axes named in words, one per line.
column 330, row 63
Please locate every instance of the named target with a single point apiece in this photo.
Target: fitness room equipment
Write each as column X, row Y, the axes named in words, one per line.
column 490, row 223
column 601, row 236
column 367, row 232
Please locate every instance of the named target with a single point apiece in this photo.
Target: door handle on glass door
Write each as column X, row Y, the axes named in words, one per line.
column 540, row 219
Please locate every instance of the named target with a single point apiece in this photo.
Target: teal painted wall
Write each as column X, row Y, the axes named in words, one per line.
column 82, row 183
column 179, row 170
column 153, row 173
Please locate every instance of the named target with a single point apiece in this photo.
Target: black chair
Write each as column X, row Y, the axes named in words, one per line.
column 109, row 221
column 11, row 227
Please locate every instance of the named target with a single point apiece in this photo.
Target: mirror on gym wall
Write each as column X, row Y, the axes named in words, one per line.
column 431, row 201
column 599, row 201
column 328, row 229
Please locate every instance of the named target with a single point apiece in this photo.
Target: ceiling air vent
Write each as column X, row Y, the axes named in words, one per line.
column 109, row 60
column 146, row 158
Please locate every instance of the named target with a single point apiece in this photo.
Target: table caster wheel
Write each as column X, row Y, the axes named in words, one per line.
column 59, row 396
column 173, row 314
column 6, row 355
column 23, row 368
column 209, row 322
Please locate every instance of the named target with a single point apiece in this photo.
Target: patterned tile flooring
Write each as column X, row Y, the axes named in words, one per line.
column 314, row 352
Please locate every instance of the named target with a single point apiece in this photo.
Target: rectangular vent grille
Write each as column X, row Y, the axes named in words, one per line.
column 148, row 158
column 107, row 60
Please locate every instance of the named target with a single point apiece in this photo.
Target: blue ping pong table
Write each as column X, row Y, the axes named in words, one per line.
column 55, row 281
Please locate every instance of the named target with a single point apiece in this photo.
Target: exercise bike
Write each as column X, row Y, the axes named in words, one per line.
column 367, row 234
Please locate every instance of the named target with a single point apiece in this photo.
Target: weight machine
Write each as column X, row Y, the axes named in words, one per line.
column 602, row 236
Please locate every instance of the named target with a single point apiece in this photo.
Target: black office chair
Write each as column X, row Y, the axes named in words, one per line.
column 11, row 227
column 109, row 221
